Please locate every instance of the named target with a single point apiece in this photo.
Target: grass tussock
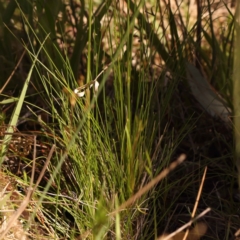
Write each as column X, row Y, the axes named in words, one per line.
column 116, row 120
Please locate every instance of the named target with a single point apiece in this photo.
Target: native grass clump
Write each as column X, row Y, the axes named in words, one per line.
column 116, row 120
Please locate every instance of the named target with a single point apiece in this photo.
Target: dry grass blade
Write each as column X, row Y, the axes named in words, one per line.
column 197, row 200
column 14, row 217
column 13, row 72
column 150, row 185
column 195, row 234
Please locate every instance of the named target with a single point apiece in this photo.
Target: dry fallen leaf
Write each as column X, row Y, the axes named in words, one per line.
column 206, row 96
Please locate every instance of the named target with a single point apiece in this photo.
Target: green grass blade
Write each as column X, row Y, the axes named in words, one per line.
column 16, row 113
column 236, row 96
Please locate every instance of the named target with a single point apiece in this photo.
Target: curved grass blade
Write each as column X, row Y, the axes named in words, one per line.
column 15, row 115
